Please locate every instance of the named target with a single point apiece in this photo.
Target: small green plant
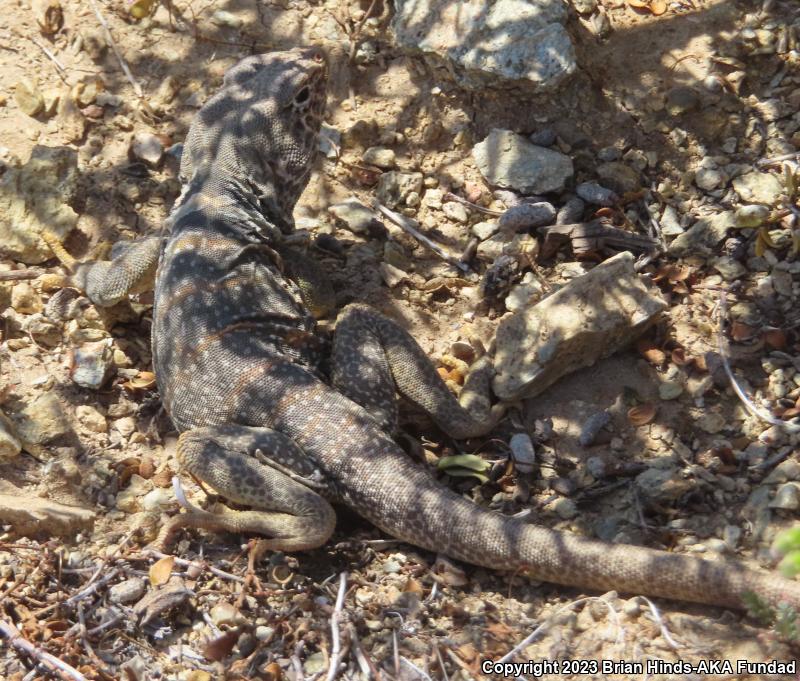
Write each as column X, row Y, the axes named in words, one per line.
column 787, row 544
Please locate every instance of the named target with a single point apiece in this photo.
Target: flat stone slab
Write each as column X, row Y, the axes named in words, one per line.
column 506, row 42
column 508, row 160
column 704, row 235
column 591, row 317
column 33, row 516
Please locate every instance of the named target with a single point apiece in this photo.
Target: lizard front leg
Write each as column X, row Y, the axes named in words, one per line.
column 373, row 355
column 131, row 271
column 230, row 459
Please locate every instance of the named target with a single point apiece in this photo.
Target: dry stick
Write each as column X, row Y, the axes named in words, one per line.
column 51, row 662
column 62, row 72
column 108, row 558
column 657, row 617
column 778, row 159
column 449, row 196
column 136, row 87
column 19, row 275
column 530, row 638
column 408, row 225
column 755, row 410
column 83, row 593
column 336, row 645
column 191, row 563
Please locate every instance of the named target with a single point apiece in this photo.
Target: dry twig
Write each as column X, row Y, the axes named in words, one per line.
column 755, row 410
column 336, row 644
column 408, row 225
column 51, row 662
column 123, row 64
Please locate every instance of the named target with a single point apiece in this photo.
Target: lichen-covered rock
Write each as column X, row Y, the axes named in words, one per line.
column 593, row 316
column 35, row 197
column 506, row 42
column 508, row 160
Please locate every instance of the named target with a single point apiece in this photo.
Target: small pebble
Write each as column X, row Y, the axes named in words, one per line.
column 594, row 193
column 129, row 591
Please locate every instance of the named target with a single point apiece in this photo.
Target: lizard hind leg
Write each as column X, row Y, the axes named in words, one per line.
column 373, row 356
column 260, row 468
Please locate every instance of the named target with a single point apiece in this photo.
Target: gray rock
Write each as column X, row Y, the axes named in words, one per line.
column 756, row 187
column 584, row 6
column 129, row 591
column 787, row 497
column 523, row 453
column 670, row 224
column 608, row 154
column 658, row 485
column 730, row 268
column 92, row 364
column 30, row 515
column 565, row 331
column 703, row 235
column 10, row 446
column 509, row 42
column 619, row 176
column 709, row 179
column 543, row 138
column 395, row 186
column 380, row 157
column 354, row 215
column 593, row 193
column 483, row 230
column 455, row 211
column 147, row 147
column 525, row 216
column 751, row 216
column 508, row 160
column 36, row 197
column 571, row 212
column 330, row 139
column 42, row 421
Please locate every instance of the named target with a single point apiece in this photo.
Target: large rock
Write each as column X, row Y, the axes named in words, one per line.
column 29, row 515
column 703, row 236
column 591, row 317
column 758, row 187
column 508, row 160
column 35, row 197
column 505, row 42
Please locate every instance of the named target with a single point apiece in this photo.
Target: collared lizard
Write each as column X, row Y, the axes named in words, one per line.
column 235, row 358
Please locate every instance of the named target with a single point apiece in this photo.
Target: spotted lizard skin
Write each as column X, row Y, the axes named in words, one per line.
column 236, row 359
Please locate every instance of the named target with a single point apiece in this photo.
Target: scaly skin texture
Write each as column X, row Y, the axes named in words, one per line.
column 236, row 360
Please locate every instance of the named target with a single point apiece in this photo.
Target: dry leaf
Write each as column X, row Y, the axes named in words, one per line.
column 144, row 380
column 638, row 4
column 790, row 413
column 219, row 648
column 273, row 672
column 741, row 331
column 413, row 586
column 651, row 352
column 701, row 364
column 775, row 338
column 641, row 414
column 658, row 7
column 161, row 570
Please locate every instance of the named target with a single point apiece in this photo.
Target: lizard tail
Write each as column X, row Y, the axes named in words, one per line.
column 457, row 527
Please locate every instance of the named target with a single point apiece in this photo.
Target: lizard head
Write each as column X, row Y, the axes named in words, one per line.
column 260, row 131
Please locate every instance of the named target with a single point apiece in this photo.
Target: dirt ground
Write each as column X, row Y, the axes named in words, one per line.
column 404, row 614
